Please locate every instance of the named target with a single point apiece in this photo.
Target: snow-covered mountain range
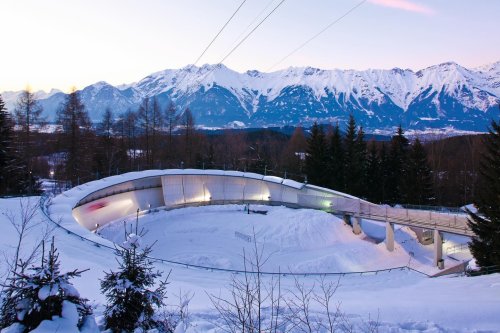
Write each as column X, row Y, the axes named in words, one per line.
column 442, row 96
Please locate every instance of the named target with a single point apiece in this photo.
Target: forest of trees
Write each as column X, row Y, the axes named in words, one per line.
column 393, row 172
column 399, row 170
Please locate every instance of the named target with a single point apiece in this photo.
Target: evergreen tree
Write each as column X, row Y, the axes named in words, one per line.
column 361, row 166
column 75, row 136
column 31, row 297
column 384, row 173
column 13, row 180
column 336, row 160
column 374, row 175
column 418, row 176
column 397, row 160
column 131, row 299
column 485, row 244
column 6, row 148
column 316, row 157
column 355, row 158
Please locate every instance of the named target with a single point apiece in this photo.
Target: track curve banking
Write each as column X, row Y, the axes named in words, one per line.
column 97, row 203
column 101, row 202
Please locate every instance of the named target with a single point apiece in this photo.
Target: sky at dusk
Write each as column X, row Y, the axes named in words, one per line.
column 59, row 44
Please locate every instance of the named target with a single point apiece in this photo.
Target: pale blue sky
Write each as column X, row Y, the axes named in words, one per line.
column 59, row 44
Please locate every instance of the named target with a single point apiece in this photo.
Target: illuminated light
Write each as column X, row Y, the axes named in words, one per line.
column 327, row 203
column 206, row 196
column 122, row 204
column 97, row 206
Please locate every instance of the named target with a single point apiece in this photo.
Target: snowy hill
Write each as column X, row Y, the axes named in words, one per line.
column 444, row 95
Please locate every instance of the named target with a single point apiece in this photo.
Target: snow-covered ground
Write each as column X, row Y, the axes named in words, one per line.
column 295, row 240
column 299, row 241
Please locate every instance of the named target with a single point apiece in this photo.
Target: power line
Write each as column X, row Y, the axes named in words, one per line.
column 253, row 21
column 213, row 40
column 242, row 41
column 220, row 31
column 317, row 34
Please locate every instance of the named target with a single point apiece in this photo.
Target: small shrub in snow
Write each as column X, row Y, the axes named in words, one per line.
column 42, row 293
column 132, row 298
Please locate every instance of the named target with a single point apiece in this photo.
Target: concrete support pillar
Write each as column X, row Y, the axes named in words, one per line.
column 356, row 225
column 389, row 236
column 438, row 247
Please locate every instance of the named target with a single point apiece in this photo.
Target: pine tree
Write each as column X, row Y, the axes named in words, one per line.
column 316, row 157
column 418, row 177
column 13, row 180
column 397, row 160
column 32, row 297
column 361, row 152
column 131, row 299
column 384, row 173
column 355, row 158
column 6, row 147
column 485, row 244
column 336, row 160
column 374, row 174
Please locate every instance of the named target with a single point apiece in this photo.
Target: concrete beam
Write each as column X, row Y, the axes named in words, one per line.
column 389, row 236
column 356, row 225
column 438, row 247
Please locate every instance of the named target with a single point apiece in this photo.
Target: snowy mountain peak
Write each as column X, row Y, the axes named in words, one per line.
column 444, row 95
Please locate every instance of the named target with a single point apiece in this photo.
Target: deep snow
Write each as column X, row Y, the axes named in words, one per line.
column 299, row 240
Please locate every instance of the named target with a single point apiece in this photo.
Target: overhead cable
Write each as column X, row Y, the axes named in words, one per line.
column 317, row 34
column 220, row 31
column 242, row 41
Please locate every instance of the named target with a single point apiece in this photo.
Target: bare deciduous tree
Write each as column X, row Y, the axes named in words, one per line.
column 254, row 304
column 28, row 117
column 24, row 223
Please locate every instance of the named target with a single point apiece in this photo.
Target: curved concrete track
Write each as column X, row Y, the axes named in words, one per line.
column 97, row 203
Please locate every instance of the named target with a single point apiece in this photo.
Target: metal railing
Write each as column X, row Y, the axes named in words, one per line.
column 457, row 248
column 446, row 222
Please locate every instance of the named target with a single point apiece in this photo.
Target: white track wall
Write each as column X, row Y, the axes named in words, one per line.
column 104, row 210
column 176, row 188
